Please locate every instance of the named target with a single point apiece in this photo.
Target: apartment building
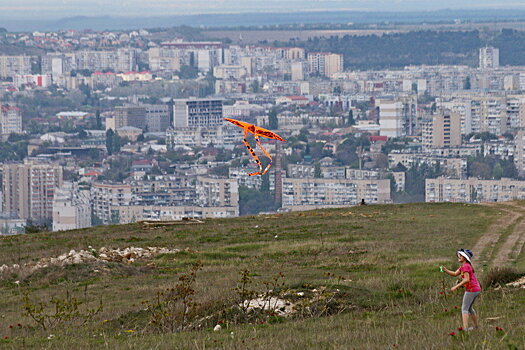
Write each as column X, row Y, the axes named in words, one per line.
column 165, row 190
column 202, row 54
column 441, row 130
column 488, row 57
column 40, row 80
column 292, row 53
column 71, row 208
column 105, row 196
column 230, row 72
column 473, row 190
column 519, row 151
column 216, row 192
column 10, row 226
column 129, row 116
column 453, row 166
column 243, row 109
column 134, row 213
column 239, row 174
column 397, row 117
column 58, row 64
column 164, row 59
column 13, row 65
column 298, row 70
column 10, row 121
column 515, row 109
column 325, row 63
column 304, row 194
column 157, row 117
column 224, row 136
column 28, row 190
column 197, row 112
column 120, row 60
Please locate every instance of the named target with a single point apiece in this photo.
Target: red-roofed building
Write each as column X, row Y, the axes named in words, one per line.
column 93, row 173
column 376, row 138
column 144, row 165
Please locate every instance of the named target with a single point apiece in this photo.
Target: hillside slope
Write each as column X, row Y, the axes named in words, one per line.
column 359, row 277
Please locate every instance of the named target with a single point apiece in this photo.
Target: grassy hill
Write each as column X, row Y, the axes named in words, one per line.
column 360, row 277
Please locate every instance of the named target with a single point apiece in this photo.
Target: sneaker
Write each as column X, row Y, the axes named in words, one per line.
column 470, row 329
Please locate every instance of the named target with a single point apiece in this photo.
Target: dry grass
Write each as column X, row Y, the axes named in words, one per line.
column 383, row 258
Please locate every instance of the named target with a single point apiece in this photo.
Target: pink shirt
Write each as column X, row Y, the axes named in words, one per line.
column 473, row 285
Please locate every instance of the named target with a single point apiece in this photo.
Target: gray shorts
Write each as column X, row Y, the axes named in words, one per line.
column 468, row 301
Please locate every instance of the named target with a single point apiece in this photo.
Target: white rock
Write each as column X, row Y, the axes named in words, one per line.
column 217, row 328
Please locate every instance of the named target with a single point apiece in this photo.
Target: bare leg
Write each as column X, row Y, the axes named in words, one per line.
column 474, row 320
column 465, row 321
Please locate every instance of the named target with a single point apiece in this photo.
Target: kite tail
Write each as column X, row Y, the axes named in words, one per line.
column 252, row 152
column 265, row 153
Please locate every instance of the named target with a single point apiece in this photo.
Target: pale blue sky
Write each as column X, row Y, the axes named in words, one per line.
column 52, row 9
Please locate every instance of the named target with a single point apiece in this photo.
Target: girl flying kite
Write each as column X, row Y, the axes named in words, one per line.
column 471, row 284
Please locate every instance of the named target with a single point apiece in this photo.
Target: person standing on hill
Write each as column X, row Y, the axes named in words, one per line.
column 472, row 287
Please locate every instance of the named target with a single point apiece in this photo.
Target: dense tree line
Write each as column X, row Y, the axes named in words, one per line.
column 491, row 167
column 397, row 50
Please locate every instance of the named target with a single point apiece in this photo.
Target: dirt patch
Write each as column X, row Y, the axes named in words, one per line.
column 485, row 245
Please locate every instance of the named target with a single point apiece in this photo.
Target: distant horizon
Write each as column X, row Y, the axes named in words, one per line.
column 254, row 12
column 122, row 21
column 60, row 9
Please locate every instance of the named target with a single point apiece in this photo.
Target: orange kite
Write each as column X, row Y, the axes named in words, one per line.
column 256, row 131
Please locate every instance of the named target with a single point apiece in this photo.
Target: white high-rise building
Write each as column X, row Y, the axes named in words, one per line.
column 104, row 196
column 29, row 188
column 488, row 57
column 397, row 117
column 197, row 112
column 10, row 120
column 71, row 208
column 12, row 65
column 325, row 63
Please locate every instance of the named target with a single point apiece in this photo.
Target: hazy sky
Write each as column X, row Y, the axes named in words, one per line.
column 51, row 9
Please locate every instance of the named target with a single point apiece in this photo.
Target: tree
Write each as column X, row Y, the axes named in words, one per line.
column 466, row 84
column 497, row 171
column 98, row 120
column 188, row 72
column 381, row 161
column 273, row 122
column 317, row 170
column 110, row 139
column 351, row 120
column 117, row 143
column 265, row 182
column 252, row 201
column 255, row 86
column 113, row 142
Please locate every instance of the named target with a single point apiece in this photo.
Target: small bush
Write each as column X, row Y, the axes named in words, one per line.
column 58, row 312
column 500, row 275
column 174, row 308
